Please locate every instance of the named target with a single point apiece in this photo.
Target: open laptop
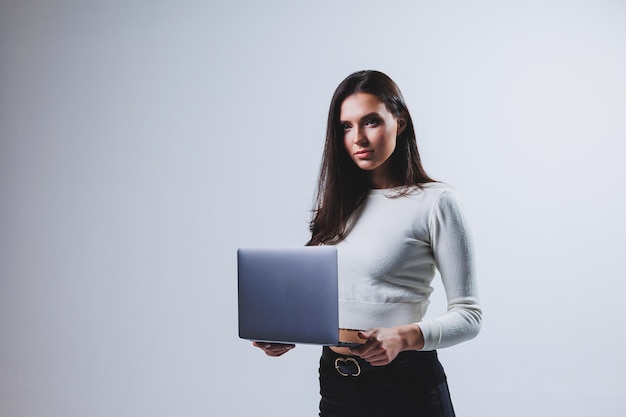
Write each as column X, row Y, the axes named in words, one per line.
column 289, row 295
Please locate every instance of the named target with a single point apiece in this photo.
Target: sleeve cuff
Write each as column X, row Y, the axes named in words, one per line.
column 431, row 330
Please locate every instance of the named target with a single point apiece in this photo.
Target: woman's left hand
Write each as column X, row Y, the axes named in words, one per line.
column 383, row 344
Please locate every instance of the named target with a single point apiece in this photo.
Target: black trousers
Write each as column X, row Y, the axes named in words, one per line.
column 413, row 385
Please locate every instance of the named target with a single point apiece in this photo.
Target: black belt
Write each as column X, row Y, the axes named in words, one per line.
column 346, row 365
column 354, row 366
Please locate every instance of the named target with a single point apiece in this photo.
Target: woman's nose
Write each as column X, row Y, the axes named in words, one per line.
column 359, row 136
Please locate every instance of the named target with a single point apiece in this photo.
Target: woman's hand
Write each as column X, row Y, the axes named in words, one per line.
column 383, row 344
column 274, row 349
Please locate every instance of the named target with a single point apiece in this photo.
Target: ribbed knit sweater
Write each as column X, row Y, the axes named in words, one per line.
column 388, row 259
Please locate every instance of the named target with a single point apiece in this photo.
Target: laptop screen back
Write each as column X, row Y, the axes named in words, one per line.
column 288, row 295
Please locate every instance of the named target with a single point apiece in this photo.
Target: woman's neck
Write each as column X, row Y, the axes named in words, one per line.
column 379, row 180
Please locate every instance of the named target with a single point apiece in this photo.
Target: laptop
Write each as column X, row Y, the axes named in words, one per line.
column 289, row 295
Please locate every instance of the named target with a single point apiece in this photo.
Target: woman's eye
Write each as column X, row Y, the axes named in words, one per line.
column 345, row 126
column 372, row 122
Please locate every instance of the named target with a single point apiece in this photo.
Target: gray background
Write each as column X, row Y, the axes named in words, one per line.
column 142, row 142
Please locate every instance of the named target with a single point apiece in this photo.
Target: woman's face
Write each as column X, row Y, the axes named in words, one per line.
column 370, row 132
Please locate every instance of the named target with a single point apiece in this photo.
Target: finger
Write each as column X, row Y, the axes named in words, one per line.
column 274, row 354
column 380, row 362
column 381, row 357
column 363, row 352
column 277, row 352
column 262, row 345
column 365, row 334
column 279, row 348
column 369, row 348
column 272, row 345
column 376, row 358
column 365, row 347
column 370, row 354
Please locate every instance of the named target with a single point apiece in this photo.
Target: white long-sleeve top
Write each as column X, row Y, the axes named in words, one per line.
column 387, row 262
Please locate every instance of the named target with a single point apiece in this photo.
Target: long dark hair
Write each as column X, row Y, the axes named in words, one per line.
column 342, row 185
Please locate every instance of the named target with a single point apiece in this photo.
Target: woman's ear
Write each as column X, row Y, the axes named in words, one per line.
column 401, row 125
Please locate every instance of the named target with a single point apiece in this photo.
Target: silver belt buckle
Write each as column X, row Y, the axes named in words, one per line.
column 345, row 364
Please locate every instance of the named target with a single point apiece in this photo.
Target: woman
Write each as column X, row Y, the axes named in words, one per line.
column 393, row 226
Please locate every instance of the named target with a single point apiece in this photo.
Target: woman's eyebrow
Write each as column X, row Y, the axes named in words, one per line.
column 370, row 115
column 365, row 117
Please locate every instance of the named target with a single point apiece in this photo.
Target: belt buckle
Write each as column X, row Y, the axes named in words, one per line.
column 345, row 364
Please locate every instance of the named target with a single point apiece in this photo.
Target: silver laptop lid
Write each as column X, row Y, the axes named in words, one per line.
column 288, row 295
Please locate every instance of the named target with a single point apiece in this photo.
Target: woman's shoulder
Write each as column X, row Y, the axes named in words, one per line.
column 425, row 195
column 437, row 187
column 431, row 190
column 435, row 196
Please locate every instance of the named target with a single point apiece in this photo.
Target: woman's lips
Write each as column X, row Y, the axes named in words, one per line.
column 364, row 154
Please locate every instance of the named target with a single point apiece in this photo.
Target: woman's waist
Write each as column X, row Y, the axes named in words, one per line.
column 347, row 336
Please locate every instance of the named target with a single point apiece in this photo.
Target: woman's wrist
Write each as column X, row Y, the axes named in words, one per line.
column 411, row 336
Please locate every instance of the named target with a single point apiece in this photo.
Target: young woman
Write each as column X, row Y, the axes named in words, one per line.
column 393, row 226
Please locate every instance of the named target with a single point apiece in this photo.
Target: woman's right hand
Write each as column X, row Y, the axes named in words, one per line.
column 274, row 349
